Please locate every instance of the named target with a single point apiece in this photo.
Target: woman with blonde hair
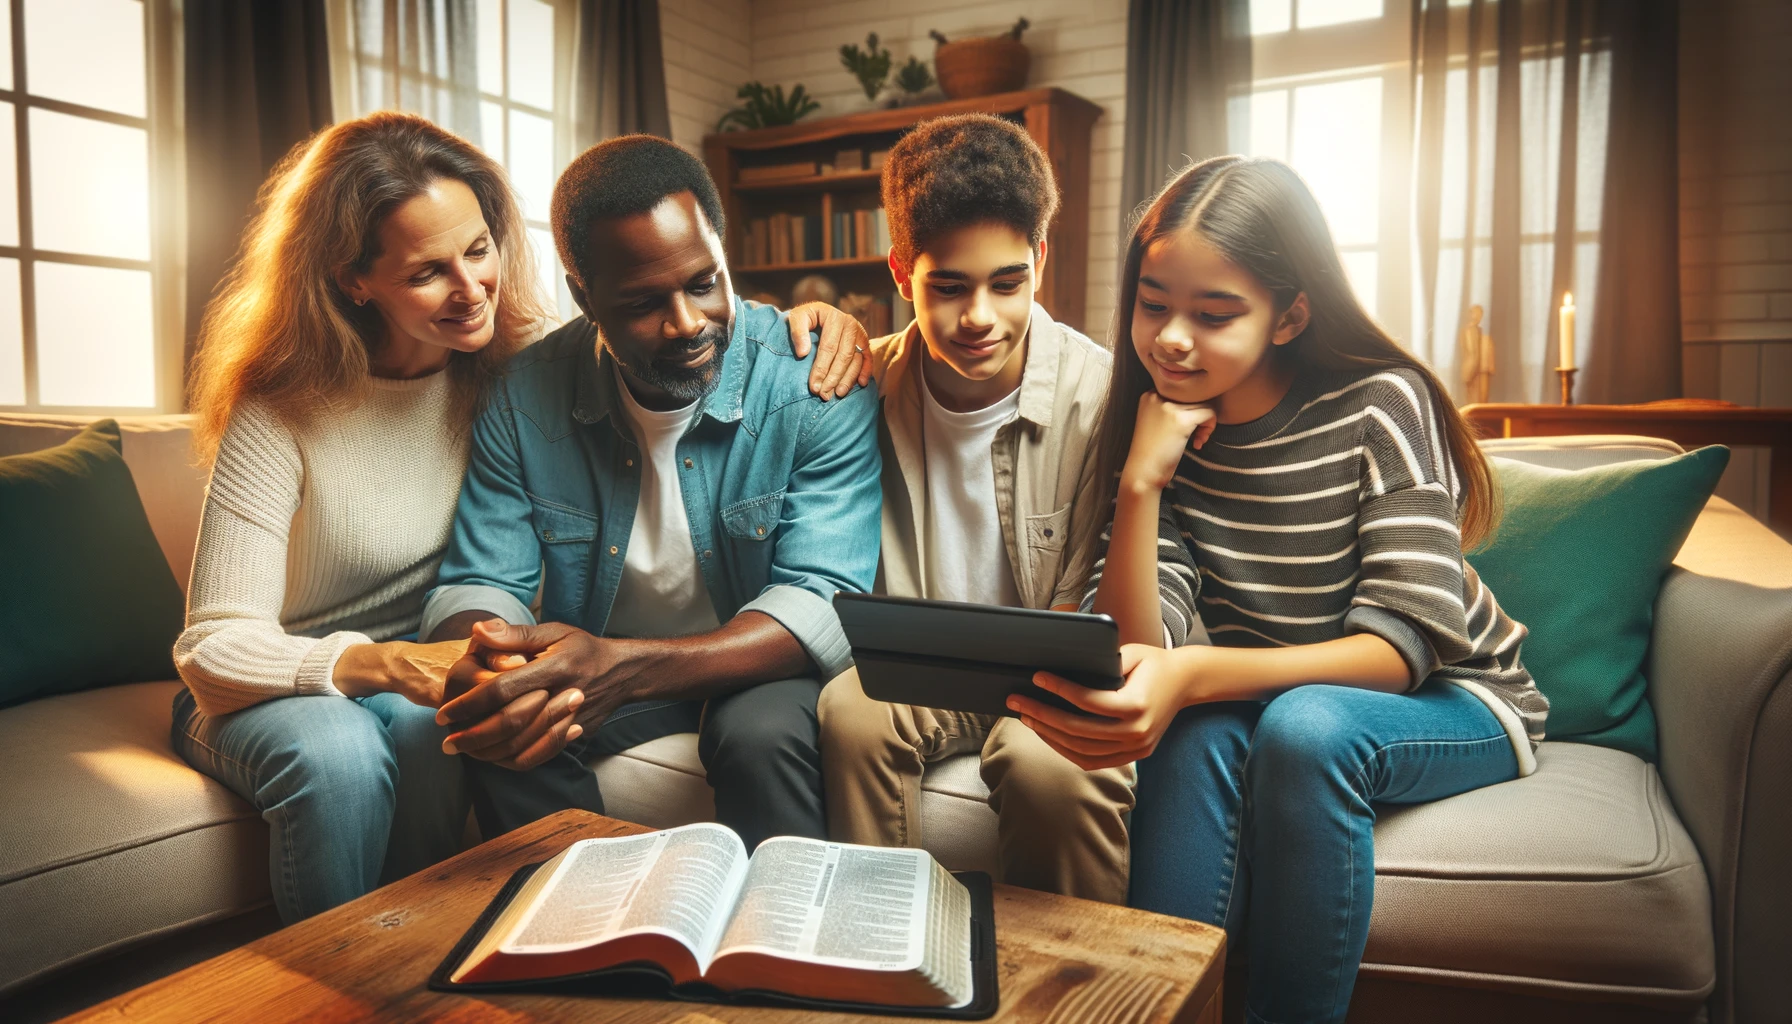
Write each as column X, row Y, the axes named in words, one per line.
column 384, row 281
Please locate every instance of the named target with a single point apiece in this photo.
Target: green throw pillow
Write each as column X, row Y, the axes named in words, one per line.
column 87, row 598
column 1578, row 558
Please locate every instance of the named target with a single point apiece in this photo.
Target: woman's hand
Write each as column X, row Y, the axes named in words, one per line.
column 844, row 356
column 1163, row 430
column 417, row 672
column 1134, row 717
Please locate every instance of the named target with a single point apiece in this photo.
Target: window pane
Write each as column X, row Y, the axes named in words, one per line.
column 547, row 264
column 90, row 186
column 489, row 37
column 532, row 53
column 491, row 130
column 9, row 177
column 95, row 336
column 87, row 51
column 1269, row 16
column 1314, row 13
column 12, row 337
column 532, row 162
column 1337, row 148
column 5, row 46
column 1361, row 268
column 1269, row 124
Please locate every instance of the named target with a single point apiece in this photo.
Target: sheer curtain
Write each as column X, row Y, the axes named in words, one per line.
column 1532, row 179
column 415, row 55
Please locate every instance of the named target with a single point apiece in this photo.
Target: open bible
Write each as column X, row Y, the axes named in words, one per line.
column 827, row 923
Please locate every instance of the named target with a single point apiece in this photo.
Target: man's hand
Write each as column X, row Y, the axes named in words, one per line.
column 1134, row 717
column 522, row 716
column 844, row 354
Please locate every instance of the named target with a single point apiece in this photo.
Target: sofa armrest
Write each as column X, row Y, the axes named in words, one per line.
column 1720, row 672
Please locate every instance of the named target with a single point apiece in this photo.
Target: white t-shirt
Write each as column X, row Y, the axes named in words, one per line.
column 662, row 592
column 967, row 559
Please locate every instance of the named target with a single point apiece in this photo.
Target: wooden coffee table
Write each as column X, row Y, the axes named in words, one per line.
column 1061, row 959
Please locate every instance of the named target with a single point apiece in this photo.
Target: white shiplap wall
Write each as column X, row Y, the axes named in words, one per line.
column 1736, row 215
column 708, row 54
column 1080, row 45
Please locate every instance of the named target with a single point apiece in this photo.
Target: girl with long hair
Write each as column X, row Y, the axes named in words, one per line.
column 1296, row 486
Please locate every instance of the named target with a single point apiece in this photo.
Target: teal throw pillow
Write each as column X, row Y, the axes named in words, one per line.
column 88, row 599
column 1578, row 558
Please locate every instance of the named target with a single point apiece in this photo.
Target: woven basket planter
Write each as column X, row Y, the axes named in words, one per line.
column 981, row 67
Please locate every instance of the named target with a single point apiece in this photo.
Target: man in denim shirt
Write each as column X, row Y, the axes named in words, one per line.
column 684, row 505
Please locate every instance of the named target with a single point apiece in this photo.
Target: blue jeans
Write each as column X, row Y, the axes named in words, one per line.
column 1260, row 817
column 356, row 793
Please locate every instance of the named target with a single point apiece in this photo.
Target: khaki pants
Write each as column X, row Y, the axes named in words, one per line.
column 1061, row 828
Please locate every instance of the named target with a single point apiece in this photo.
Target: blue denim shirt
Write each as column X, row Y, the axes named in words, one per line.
column 781, row 490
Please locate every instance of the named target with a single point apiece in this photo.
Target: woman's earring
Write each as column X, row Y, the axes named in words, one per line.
column 360, row 302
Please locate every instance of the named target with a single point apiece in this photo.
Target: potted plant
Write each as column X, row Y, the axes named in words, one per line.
column 871, row 66
column 767, row 107
column 983, row 66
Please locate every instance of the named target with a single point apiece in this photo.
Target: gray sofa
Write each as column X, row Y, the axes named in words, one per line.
column 1599, row 888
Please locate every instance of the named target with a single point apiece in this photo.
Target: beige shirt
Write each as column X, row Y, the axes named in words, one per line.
column 1044, row 459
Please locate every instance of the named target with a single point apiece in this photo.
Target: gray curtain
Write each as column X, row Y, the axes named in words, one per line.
column 619, row 75
column 257, row 82
column 1636, row 343
column 420, row 56
column 1544, row 164
column 1185, row 60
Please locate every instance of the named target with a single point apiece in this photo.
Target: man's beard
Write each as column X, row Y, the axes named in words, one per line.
column 687, row 384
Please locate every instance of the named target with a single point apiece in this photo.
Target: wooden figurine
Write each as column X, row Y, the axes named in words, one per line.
column 1477, row 358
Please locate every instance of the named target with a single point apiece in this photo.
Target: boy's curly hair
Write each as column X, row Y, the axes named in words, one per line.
column 965, row 169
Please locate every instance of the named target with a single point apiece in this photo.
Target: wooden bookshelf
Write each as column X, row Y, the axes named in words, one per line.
column 1061, row 122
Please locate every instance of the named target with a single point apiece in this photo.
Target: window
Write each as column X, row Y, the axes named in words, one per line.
column 1332, row 77
column 1332, row 95
column 82, row 276
column 508, row 90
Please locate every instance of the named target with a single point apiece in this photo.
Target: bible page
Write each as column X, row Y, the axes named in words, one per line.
column 679, row 882
column 852, row 906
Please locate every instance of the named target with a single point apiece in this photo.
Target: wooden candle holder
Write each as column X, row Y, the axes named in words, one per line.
column 1567, row 375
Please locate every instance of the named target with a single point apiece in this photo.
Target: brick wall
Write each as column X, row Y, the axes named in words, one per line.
column 1077, row 45
column 1736, row 214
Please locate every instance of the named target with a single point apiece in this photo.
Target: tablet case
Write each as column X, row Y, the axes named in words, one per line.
column 970, row 657
column 649, row 981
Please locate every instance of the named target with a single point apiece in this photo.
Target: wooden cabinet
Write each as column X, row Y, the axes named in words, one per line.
column 1059, row 121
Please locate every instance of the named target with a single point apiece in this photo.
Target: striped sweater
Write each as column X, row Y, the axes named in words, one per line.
column 1336, row 513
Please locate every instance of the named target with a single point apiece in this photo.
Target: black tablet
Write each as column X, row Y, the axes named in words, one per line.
column 970, row 657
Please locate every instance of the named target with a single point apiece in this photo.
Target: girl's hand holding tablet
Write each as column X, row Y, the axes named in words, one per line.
column 1134, row 717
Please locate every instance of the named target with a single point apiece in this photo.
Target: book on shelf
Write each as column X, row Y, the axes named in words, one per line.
column 881, row 233
column 757, row 243
column 801, row 921
column 798, row 234
column 776, row 172
column 847, row 161
column 812, row 238
column 780, row 229
column 861, row 233
column 875, row 160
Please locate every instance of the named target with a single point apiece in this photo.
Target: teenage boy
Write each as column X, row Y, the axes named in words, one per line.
column 660, row 473
column 988, row 410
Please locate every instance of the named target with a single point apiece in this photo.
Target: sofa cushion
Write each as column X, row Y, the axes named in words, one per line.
column 109, row 837
column 1578, row 557
column 661, row 783
column 159, row 451
column 88, row 600
column 1576, row 880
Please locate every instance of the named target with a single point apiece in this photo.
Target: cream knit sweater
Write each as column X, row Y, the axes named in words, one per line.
column 315, row 539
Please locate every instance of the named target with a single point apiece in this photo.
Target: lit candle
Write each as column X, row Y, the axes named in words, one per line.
column 1567, row 320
